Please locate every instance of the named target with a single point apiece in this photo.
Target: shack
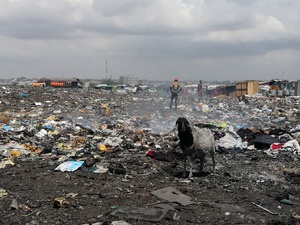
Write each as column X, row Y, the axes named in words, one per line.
column 249, row 87
column 297, row 88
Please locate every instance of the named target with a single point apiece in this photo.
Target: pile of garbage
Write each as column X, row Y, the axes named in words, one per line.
column 93, row 130
column 73, row 121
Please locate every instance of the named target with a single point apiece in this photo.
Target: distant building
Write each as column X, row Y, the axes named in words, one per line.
column 129, row 80
column 71, row 83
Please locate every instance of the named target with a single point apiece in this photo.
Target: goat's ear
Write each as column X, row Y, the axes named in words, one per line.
column 186, row 122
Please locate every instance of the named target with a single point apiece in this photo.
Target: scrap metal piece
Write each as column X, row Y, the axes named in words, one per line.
column 149, row 214
column 164, row 206
column 267, row 210
column 172, row 195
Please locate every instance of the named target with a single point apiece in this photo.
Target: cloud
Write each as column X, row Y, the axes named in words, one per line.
column 152, row 39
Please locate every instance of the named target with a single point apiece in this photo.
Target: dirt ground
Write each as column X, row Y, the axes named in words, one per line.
column 246, row 188
column 224, row 197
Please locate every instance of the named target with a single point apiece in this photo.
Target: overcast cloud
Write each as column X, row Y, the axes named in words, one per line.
column 151, row 39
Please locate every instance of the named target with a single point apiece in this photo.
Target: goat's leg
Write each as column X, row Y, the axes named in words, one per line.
column 192, row 162
column 201, row 163
column 184, row 165
column 212, row 153
column 191, row 167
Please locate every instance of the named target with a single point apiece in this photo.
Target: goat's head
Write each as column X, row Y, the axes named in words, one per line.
column 182, row 124
column 184, row 132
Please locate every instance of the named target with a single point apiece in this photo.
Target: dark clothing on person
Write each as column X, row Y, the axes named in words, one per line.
column 200, row 90
column 175, row 88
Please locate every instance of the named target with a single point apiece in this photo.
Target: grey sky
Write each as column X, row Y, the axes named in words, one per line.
column 151, row 39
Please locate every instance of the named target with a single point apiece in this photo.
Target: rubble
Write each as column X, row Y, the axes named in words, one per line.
column 116, row 151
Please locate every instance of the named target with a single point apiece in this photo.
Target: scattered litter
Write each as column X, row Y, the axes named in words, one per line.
column 100, row 168
column 120, row 222
column 14, row 204
column 3, row 193
column 267, row 210
column 175, row 216
column 6, row 162
column 227, row 207
column 148, row 214
column 296, row 216
column 60, row 202
column 286, row 201
column 69, row 166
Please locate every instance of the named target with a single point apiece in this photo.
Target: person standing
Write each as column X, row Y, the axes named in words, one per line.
column 175, row 88
column 200, row 89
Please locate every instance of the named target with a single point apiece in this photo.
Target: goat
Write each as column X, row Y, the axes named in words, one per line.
column 195, row 142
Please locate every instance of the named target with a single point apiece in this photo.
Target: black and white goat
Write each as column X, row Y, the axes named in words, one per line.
column 195, row 142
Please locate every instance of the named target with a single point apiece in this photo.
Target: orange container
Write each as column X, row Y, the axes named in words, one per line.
column 38, row 84
column 57, row 83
